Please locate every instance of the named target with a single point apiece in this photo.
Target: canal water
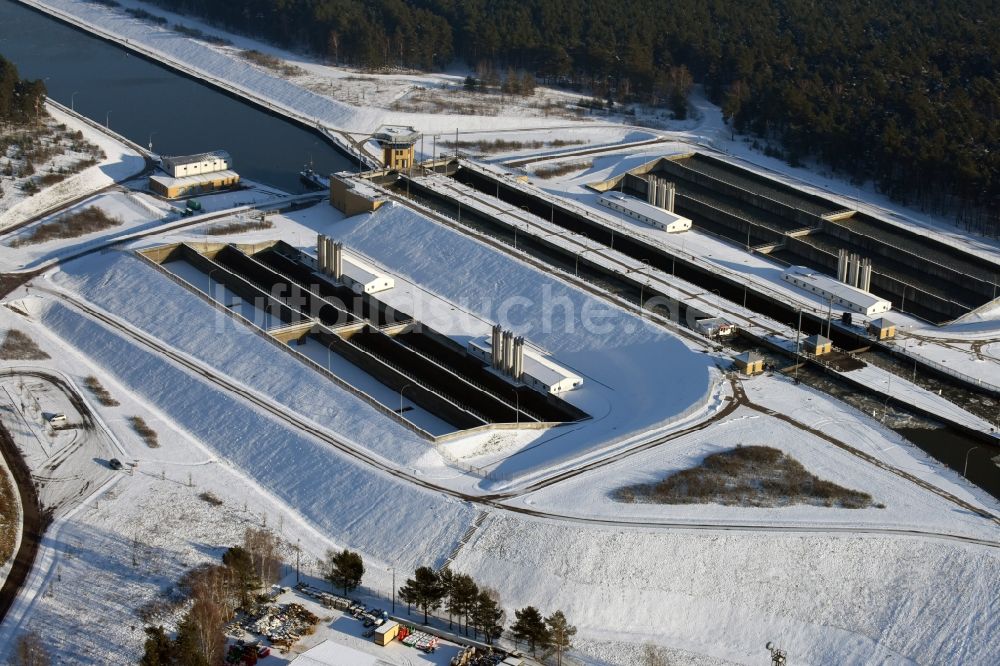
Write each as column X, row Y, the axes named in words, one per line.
column 139, row 99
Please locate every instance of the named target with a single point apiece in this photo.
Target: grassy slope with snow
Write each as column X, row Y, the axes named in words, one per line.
column 348, row 501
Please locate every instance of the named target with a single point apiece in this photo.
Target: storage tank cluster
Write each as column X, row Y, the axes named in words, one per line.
column 853, row 270
column 508, row 352
column 661, row 193
column 329, row 256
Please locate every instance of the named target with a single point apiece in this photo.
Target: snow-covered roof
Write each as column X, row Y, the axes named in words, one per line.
column 396, row 134
column 329, row 653
column 818, row 340
column 198, row 157
column 537, row 366
column 749, row 357
column 640, row 207
column 882, row 322
column 170, row 181
column 834, row 287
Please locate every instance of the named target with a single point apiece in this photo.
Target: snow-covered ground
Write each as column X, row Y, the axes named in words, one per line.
column 120, row 163
column 710, row 593
column 323, row 469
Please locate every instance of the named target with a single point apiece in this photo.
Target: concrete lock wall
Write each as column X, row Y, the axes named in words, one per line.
column 679, row 171
column 238, row 285
column 702, row 209
column 987, row 269
column 764, row 181
column 396, row 380
column 880, row 248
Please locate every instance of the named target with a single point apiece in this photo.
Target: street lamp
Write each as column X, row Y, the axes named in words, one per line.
column 72, row 101
column 151, row 134
column 298, row 550
column 585, row 251
column 210, row 280
column 517, row 408
column 401, row 396
column 107, row 120
column 966, row 470
column 329, row 356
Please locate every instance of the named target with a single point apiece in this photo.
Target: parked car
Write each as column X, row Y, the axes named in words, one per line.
column 114, row 463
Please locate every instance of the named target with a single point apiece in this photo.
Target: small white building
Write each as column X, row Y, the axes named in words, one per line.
column 715, row 327
column 841, row 294
column 647, row 213
column 332, row 653
column 180, row 166
column 363, row 278
column 538, row 372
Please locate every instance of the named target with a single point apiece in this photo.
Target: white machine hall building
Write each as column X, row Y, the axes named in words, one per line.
column 348, row 269
column 186, row 175
column 195, row 165
column 645, row 212
column 535, row 371
column 840, row 294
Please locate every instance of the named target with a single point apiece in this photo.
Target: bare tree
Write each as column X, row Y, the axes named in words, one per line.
column 263, row 548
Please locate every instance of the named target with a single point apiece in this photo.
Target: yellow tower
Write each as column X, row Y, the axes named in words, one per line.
column 397, row 146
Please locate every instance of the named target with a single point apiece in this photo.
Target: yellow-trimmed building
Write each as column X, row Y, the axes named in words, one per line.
column 188, row 175
column 882, row 328
column 397, row 144
column 749, row 363
column 173, row 188
column 818, row 345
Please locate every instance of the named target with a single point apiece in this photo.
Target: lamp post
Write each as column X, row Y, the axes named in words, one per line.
column 393, row 590
column 107, row 120
column 798, row 337
column 965, row 470
column 210, row 280
column 298, row 550
column 329, row 356
column 151, row 134
column 401, row 396
column 517, row 408
column 72, row 100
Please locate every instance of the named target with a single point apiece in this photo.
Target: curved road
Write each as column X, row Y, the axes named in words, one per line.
column 34, row 522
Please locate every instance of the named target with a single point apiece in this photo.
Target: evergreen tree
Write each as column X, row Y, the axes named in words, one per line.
column 464, row 592
column 488, row 616
column 238, row 560
column 529, row 626
column 561, row 634
column 424, row 590
column 448, row 587
column 344, row 569
column 158, row 649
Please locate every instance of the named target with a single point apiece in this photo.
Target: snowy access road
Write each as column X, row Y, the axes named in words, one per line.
column 499, row 500
column 69, row 465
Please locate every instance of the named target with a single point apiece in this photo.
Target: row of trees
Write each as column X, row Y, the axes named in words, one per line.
column 21, row 100
column 471, row 606
column 903, row 94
